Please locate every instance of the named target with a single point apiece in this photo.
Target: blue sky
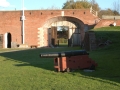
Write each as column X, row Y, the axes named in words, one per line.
column 45, row 4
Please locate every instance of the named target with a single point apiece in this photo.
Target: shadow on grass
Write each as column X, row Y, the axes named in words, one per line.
column 30, row 57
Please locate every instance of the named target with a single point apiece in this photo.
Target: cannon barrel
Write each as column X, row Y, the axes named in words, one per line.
column 63, row 54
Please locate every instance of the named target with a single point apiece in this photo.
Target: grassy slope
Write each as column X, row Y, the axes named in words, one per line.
column 24, row 70
column 108, row 57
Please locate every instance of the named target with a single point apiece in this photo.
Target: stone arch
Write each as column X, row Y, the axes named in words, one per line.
column 79, row 26
column 73, row 20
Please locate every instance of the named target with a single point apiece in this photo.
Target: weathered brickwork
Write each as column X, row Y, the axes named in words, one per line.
column 108, row 23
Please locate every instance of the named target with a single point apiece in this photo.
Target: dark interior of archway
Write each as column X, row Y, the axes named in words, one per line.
column 77, row 22
column 62, row 36
column 9, row 40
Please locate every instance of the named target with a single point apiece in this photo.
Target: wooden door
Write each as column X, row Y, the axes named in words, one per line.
column 1, row 40
column 54, row 36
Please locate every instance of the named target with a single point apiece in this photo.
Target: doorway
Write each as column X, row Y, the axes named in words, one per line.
column 8, row 40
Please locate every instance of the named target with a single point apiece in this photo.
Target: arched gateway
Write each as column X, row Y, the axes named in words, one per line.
column 48, row 31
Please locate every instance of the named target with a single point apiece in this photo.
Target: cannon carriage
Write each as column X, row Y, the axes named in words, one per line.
column 70, row 60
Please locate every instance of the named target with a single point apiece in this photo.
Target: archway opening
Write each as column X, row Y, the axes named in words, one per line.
column 48, row 33
column 62, row 36
column 9, row 40
column 65, row 33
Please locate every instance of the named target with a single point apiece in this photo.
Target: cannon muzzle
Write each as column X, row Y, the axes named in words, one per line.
column 63, row 54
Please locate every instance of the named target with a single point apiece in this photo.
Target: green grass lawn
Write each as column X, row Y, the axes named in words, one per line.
column 11, row 49
column 25, row 70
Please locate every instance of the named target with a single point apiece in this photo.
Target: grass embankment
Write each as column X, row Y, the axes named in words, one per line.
column 25, row 70
column 108, row 57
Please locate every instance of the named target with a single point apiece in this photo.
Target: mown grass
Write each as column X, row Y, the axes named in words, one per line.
column 10, row 49
column 25, row 70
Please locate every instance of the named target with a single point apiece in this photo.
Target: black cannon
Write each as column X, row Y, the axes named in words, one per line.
column 64, row 54
column 70, row 60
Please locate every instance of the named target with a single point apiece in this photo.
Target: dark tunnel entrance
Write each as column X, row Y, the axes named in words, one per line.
column 8, row 40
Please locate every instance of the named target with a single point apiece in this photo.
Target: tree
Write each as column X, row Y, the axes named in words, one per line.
column 108, row 12
column 79, row 4
column 116, row 7
column 69, row 4
column 82, row 4
column 63, row 32
column 95, row 6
